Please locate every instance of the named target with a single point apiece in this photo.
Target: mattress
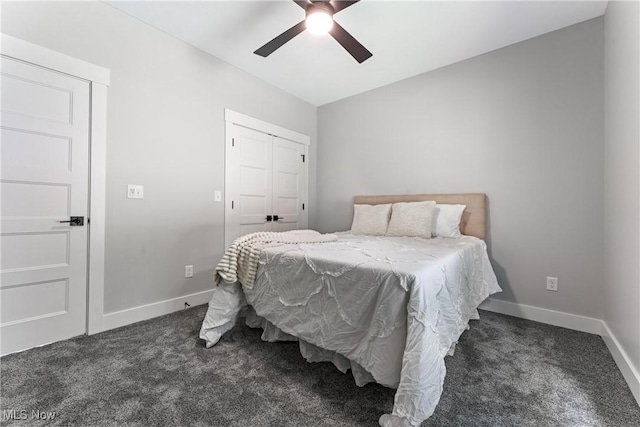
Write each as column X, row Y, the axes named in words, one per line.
column 393, row 306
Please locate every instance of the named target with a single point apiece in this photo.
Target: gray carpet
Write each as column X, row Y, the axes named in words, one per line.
column 506, row 372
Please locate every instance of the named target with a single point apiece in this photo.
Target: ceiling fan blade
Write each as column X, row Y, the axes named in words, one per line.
column 353, row 46
column 276, row 43
column 302, row 3
column 338, row 5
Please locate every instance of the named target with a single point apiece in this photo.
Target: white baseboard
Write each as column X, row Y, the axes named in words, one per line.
column 629, row 372
column 543, row 315
column 149, row 311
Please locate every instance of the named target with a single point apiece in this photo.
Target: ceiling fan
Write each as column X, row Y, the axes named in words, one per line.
column 319, row 19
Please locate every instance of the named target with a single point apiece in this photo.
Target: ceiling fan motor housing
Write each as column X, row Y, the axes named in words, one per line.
column 320, row 7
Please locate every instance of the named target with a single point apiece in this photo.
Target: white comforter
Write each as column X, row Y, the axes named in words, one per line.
column 393, row 305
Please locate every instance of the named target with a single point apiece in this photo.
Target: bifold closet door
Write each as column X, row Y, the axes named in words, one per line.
column 265, row 183
column 249, row 183
column 288, row 184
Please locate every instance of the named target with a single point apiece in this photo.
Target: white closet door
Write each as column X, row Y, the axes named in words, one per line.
column 44, row 180
column 265, row 176
column 249, row 183
column 288, row 184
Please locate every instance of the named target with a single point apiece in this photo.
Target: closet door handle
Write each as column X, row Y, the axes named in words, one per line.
column 269, row 218
column 275, row 218
column 77, row 221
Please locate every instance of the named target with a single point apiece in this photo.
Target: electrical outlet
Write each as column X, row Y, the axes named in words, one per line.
column 188, row 271
column 217, row 196
column 552, row 284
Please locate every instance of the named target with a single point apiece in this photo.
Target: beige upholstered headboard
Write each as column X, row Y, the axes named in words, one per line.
column 474, row 218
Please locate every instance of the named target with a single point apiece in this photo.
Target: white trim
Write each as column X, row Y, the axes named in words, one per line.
column 629, row 372
column 266, row 127
column 97, row 207
column 149, row 311
column 99, row 79
column 229, row 186
column 543, row 315
column 305, row 213
column 43, row 57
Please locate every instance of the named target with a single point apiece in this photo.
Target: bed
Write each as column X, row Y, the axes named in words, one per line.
column 387, row 308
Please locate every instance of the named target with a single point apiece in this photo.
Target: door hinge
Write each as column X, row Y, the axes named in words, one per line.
column 233, row 142
column 232, row 204
column 303, row 206
column 303, row 157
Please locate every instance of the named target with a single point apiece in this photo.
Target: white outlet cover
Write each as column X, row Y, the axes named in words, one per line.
column 188, row 271
column 217, row 196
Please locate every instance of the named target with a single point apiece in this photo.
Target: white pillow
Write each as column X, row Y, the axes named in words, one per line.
column 371, row 219
column 446, row 220
column 411, row 219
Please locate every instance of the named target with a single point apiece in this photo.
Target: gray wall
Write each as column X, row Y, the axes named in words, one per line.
column 622, row 177
column 523, row 124
column 166, row 132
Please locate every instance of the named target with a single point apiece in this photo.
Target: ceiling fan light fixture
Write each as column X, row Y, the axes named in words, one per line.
column 319, row 19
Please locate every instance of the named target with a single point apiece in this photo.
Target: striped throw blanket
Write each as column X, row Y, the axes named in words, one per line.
column 240, row 261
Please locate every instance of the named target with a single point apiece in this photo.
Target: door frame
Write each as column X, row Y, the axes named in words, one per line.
column 99, row 80
column 234, row 118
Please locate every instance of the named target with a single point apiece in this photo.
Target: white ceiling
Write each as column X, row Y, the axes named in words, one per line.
column 406, row 37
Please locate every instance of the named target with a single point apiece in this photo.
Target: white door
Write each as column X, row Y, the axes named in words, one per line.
column 288, row 185
column 265, row 179
column 248, row 183
column 43, row 180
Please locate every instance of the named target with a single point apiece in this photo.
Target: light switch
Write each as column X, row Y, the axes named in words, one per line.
column 217, row 196
column 135, row 191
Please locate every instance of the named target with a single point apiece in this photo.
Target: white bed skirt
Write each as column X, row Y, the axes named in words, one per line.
column 228, row 305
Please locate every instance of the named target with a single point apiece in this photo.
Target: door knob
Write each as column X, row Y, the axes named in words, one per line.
column 74, row 221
